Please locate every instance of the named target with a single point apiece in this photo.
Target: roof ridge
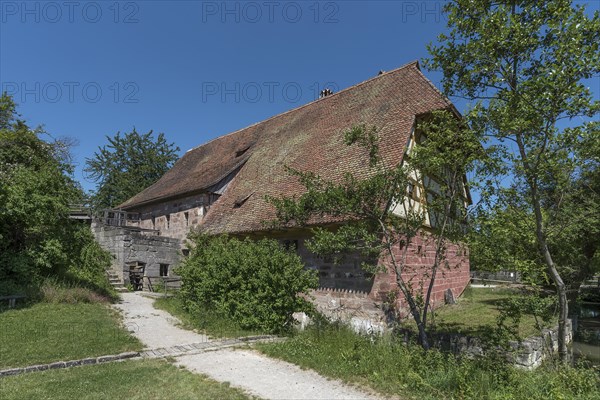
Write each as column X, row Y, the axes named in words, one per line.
column 438, row 91
column 407, row 65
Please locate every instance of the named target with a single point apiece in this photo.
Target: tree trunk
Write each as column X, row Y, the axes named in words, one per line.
column 563, row 305
column 414, row 310
column 561, row 289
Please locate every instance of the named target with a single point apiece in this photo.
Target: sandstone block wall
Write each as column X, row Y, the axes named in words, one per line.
column 350, row 294
column 174, row 218
column 453, row 273
column 128, row 247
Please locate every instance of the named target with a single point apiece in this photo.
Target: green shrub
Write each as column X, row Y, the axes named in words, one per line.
column 88, row 269
column 257, row 283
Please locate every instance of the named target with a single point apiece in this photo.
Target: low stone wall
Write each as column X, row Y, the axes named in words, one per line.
column 527, row 354
column 355, row 308
column 531, row 352
column 501, row 276
column 364, row 316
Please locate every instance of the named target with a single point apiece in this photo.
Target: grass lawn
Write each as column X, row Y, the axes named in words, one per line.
column 207, row 322
column 48, row 332
column 129, row 380
column 391, row 368
column 476, row 313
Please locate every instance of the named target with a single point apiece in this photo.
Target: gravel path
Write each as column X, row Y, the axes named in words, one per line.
column 255, row 373
column 155, row 328
column 266, row 377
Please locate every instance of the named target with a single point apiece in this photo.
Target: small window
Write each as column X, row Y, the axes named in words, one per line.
column 153, row 222
column 185, row 252
column 164, row 269
column 168, row 217
column 186, row 215
column 410, row 191
column 290, row 245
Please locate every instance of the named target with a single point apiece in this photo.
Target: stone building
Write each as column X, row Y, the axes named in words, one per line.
column 220, row 186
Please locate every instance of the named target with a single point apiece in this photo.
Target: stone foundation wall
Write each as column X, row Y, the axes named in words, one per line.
column 349, row 294
column 357, row 309
column 346, row 275
column 128, row 246
column 531, row 352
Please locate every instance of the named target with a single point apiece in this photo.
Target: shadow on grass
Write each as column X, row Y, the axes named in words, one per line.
column 482, row 331
column 204, row 321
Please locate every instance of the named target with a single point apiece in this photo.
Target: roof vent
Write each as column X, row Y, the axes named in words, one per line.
column 381, row 72
column 325, row 93
column 241, row 151
column 241, row 200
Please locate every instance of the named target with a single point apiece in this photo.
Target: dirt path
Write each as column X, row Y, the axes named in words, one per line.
column 255, row 373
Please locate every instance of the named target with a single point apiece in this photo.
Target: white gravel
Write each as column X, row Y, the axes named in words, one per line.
column 251, row 371
column 155, row 328
column 265, row 377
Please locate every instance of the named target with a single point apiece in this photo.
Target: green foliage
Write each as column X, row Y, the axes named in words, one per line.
column 503, row 235
column 37, row 238
column 524, row 64
column 395, row 369
column 575, row 227
column 88, row 267
column 127, row 165
column 259, row 284
column 515, row 308
column 502, row 238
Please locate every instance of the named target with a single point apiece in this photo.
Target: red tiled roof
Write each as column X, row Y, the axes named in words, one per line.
column 306, row 138
column 198, row 169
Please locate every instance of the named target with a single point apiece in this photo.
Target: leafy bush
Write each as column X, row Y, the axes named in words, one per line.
column 88, row 269
column 257, row 283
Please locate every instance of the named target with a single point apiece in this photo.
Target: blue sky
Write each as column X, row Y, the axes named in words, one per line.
column 195, row 70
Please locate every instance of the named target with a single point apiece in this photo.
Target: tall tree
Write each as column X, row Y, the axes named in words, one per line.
column 37, row 238
column 523, row 64
column 127, row 165
column 385, row 211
